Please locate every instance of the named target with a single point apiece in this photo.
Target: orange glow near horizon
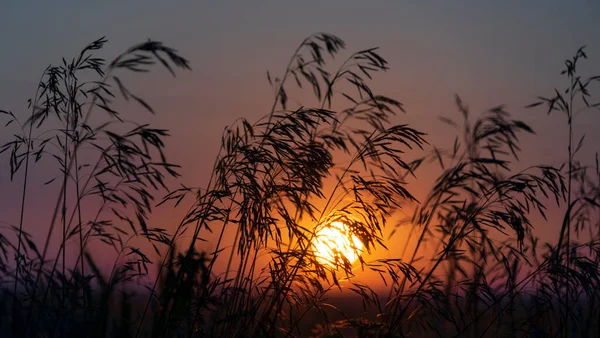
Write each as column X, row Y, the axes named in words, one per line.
column 334, row 241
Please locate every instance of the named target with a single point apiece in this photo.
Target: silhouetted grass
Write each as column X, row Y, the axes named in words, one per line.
column 488, row 275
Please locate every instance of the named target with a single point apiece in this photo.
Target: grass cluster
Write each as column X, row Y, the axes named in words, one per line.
column 270, row 186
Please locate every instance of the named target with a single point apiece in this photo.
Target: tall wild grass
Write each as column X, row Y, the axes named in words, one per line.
column 475, row 267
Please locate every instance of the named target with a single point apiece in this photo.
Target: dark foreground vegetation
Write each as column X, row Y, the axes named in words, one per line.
column 488, row 276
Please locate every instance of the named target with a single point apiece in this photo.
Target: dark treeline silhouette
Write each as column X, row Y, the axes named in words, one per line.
column 482, row 274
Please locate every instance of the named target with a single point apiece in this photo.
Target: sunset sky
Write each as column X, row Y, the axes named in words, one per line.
column 488, row 52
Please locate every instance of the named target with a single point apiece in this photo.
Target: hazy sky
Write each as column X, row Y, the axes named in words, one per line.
column 489, row 52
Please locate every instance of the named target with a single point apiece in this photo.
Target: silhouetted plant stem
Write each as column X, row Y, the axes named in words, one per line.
column 566, row 229
column 80, row 231
column 67, row 130
column 566, row 226
column 22, row 211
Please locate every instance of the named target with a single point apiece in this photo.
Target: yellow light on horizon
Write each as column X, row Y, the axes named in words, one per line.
column 336, row 240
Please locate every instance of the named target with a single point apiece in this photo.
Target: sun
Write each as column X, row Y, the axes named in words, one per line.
column 333, row 241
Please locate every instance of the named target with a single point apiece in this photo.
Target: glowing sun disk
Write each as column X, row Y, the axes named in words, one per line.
column 333, row 241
